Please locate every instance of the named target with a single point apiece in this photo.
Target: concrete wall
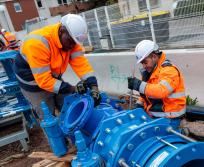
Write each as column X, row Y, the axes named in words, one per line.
column 112, row 69
column 21, row 34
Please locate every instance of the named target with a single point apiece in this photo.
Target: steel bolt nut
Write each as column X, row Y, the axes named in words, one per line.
column 130, row 147
column 132, row 116
column 143, row 135
column 119, row 121
column 107, row 130
column 100, row 143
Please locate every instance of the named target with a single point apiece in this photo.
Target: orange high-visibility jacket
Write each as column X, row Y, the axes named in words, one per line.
column 163, row 94
column 43, row 52
column 10, row 37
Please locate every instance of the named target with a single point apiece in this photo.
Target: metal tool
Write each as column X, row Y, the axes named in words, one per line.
column 131, row 92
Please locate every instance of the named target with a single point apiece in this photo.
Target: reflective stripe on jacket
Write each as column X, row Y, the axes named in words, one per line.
column 163, row 94
column 42, row 50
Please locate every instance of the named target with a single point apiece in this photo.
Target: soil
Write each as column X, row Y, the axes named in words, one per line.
column 12, row 155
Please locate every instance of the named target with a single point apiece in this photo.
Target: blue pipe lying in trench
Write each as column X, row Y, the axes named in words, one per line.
column 109, row 136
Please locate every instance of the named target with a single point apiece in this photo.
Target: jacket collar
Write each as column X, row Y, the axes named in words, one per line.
column 158, row 67
column 161, row 60
column 56, row 36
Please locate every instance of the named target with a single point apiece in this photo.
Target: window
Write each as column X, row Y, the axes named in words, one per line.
column 143, row 6
column 17, row 7
column 59, row 2
column 39, row 3
column 62, row 2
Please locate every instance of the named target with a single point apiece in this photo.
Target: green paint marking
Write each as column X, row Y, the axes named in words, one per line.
column 115, row 74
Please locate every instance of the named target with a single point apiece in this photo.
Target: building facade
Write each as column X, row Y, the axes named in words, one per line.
column 16, row 14
column 135, row 7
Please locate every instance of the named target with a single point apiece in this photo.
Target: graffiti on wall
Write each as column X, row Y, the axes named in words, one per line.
column 116, row 75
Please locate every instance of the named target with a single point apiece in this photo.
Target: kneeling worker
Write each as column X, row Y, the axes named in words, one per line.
column 162, row 92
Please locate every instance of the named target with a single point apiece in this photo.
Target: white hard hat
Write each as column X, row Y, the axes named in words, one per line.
column 3, row 30
column 144, row 48
column 76, row 26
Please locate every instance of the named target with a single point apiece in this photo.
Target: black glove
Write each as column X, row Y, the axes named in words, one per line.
column 93, row 85
column 81, row 87
column 96, row 96
column 91, row 82
column 134, row 83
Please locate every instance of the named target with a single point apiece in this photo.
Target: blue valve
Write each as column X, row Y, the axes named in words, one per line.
column 54, row 133
column 85, row 158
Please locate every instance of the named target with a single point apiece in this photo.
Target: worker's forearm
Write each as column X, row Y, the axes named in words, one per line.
column 158, row 91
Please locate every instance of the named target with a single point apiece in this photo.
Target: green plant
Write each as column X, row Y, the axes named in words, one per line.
column 190, row 101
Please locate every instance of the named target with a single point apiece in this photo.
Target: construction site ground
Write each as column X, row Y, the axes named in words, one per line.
column 12, row 155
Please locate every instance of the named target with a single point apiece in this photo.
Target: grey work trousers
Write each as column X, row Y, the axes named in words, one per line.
column 52, row 100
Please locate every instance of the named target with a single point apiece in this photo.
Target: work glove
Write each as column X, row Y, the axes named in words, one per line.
column 96, row 96
column 134, row 83
column 93, row 86
column 81, row 87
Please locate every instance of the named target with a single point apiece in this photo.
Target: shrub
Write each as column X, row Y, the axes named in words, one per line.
column 190, row 101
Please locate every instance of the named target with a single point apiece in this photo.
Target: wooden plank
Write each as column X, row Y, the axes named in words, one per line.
column 50, row 163
column 62, row 164
column 53, row 164
column 51, row 156
column 43, row 163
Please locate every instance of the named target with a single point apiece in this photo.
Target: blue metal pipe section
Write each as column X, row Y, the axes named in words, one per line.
column 54, row 134
column 84, row 156
column 109, row 136
column 79, row 114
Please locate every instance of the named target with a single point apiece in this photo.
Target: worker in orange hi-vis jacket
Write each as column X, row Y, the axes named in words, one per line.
column 10, row 40
column 46, row 54
column 10, row 37
column 162, row 92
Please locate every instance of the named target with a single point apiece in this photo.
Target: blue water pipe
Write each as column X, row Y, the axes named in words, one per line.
column 56, row 139
column 125, row 138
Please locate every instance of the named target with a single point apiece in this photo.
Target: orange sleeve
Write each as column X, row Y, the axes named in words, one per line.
column 38, row 58
column 80, row 63
column 168, row 81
